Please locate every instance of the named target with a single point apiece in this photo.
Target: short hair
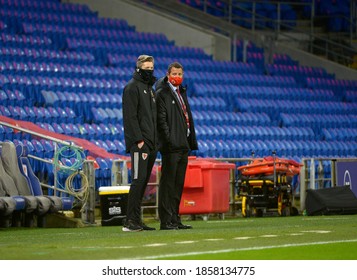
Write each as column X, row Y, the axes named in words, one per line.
column 143, row 58
column 174, row 65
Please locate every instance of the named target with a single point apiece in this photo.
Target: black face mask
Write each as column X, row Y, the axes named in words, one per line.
column 146, row 74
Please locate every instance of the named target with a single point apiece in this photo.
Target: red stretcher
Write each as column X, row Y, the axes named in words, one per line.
column 268, row 166
column 264, row 185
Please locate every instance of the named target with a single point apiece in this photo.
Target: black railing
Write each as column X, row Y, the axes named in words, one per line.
column 230, row 12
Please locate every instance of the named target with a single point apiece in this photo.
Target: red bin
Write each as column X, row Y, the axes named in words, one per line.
column 207, row 187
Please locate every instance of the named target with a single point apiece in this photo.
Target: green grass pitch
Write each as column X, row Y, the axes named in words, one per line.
column 266, row 238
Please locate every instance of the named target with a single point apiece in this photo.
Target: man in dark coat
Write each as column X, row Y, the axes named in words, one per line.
column 176, row 139
column 140, row 133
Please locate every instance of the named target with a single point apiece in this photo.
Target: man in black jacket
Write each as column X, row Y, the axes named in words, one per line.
column 176, row 138
column 140, row 133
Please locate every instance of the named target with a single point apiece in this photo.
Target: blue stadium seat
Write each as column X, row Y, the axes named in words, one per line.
column 17, row 185
column 49, row 148
column 120, row 147
column 58, row 128
column 83, row 133
column 219, row 149
column 67, row 129
column 99, row 115
column 112, row 148
column 203, row 148
column 90, row 130
column 47, row 204
column 55, row 116
column 104, row 172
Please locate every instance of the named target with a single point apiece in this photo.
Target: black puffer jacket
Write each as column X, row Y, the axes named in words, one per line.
column 139, row 113
column 171, row 121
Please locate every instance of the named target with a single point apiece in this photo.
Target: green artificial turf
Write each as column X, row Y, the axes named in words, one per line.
column 266, row 238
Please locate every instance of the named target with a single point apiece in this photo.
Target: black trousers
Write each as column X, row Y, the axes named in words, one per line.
column 142, row 162
column 171, row 186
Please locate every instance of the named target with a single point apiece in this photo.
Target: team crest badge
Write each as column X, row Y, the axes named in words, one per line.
column 145, row 156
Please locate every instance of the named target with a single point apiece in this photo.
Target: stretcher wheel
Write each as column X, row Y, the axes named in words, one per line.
column 286, row 211
column 294, row 211
column 258, row 212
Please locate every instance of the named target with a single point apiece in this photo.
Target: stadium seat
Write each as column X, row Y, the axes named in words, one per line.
column 120, row 147
column 111, row 146
column 16, row 184
column 44, row 203
column 48, row 146
column 104, row 173
column 57, row 203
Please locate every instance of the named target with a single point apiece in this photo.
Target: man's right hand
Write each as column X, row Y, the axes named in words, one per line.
column 140, row 144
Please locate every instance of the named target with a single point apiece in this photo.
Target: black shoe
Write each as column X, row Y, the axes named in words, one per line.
column 132, row 226
column 145, row 227
column 182, row 226
column 168, row 227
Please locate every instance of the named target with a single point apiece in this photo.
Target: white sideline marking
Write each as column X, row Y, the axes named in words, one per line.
column 231, row 221
column 244, row 249
column 268, row 235
column 104, row 247
column 155, row 245
column 324, row 218
column 243, row 237
column 213, row 239
column 317, row 231
column 185, row 242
